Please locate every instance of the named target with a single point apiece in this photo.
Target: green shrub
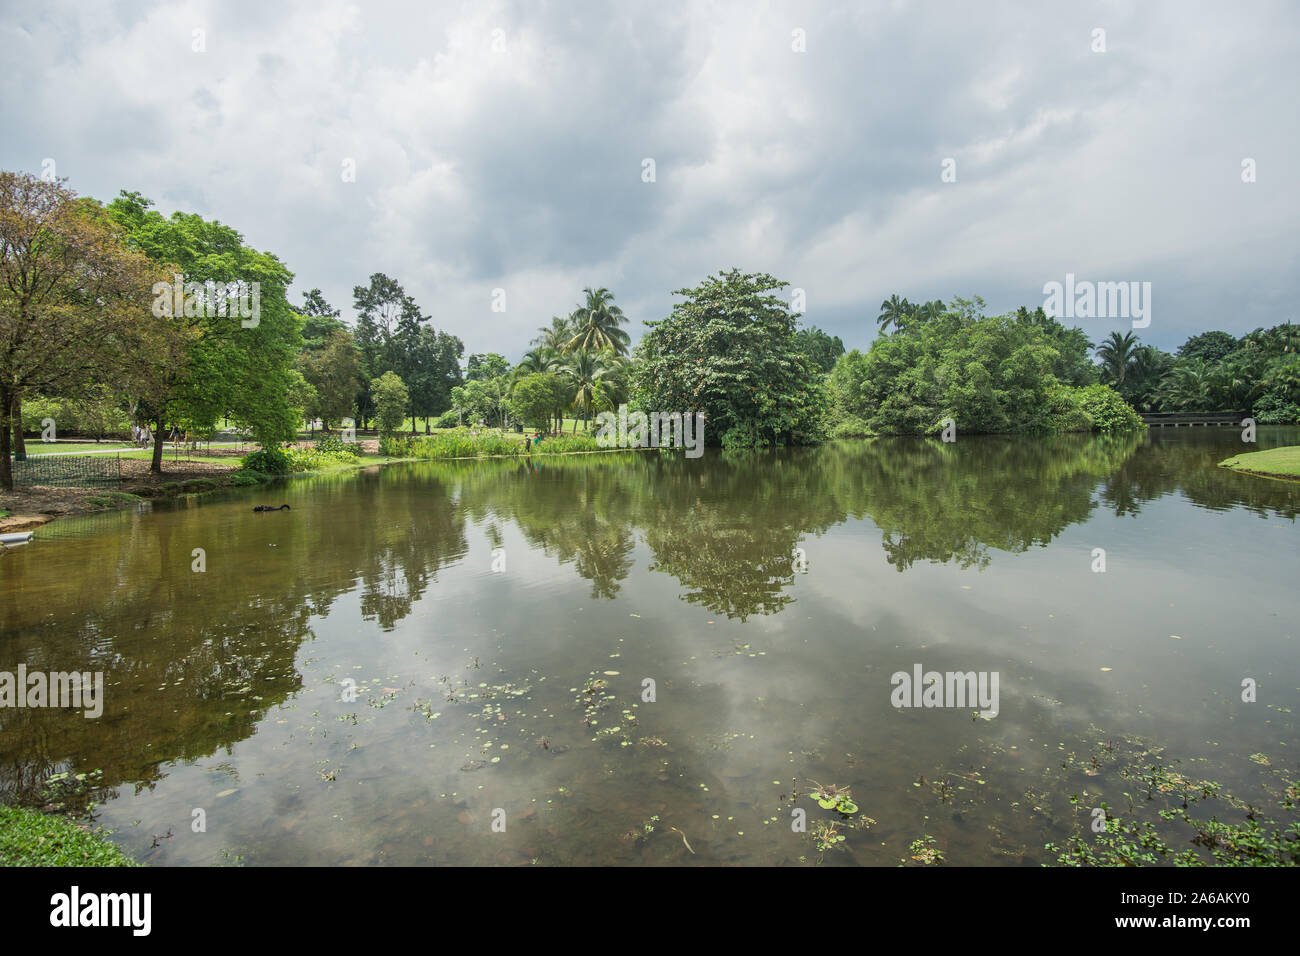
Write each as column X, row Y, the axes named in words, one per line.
column 1061, row 411
column 311, row 459
column 269, row 461
column 560, row 444
column 460, row 443
column 850, row 426
column 244, row 478
column 1107, row 409
column 334, row 444
column 1273, row 410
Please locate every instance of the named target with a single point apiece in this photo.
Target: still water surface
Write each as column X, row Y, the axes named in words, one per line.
column 226, row 689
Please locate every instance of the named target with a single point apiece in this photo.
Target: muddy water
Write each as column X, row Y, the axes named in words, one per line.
column 414, row 653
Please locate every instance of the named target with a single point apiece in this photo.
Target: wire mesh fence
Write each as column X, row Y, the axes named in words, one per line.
column 68, row 471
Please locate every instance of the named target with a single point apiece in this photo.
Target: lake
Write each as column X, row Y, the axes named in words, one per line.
column 636, row 658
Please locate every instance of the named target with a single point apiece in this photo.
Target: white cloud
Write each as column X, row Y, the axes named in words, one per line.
column 521, row 169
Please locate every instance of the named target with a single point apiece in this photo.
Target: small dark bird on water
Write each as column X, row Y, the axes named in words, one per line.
column 271, row 508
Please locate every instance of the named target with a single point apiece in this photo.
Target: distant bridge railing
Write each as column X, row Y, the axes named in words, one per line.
column 1166, row 419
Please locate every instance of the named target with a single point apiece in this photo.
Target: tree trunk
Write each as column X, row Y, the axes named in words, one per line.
column 156, row 465
column 20, row 444
column 6, row 470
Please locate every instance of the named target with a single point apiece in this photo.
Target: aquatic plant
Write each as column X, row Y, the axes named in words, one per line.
column 827, row 836
column 925, row 851
column 834, row 798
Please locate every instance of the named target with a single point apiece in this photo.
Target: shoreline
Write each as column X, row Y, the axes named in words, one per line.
column 1260, row 464
column 202, row 476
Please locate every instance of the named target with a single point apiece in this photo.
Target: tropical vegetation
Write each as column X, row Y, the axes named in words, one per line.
column 115, row 316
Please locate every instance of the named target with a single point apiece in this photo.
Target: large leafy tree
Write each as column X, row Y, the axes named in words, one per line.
column 729, row 350
column 75, row 301
column 434, row 370
column 380, row 306
column 1208, row 346
column 1074, row 365
column 320, row 320
column 535, row 396
column 482, row 367
column 988, row 374
column 391, row 402
column 332, row 371
column 596, row 324
column 238, row 367
column 545, row 358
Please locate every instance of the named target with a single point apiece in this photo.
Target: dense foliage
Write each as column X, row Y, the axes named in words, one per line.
column 989, row 374
column 87, row 350
column 729, row 350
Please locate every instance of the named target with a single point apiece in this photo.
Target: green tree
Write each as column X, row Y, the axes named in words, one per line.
column 997, row 374
column 556, row 335
column 535, row 396
column 596, row 324
column 379, row 305
column 586, row 371
column 1208, row 346
column 480, row 367
column 822, row 349
column 1117, row 354
column 333, row 372
column 729, row 351
column 848, row 405
column 75, row 302
column 893, row 311
column 236, row 366
column 320, row 320
column 434, row 372
column 391, row 401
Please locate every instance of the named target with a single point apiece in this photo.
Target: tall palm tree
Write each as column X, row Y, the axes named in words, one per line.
column 555, row 335
column 1117, row 354
column 1186, row 386
column 586, row 370
column 540, row 359
column 921, row 314
column 596, row 323
column 894, row 311
column 1288, row 335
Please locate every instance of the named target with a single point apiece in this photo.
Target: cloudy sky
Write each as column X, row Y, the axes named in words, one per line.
column 502, row 145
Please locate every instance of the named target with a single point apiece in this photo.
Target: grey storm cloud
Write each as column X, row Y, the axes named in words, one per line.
column 500, row 145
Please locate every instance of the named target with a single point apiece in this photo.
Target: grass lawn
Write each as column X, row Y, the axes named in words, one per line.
column 1275, row 463
column 29, row 838
column 39, row 447
column 125, row 449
